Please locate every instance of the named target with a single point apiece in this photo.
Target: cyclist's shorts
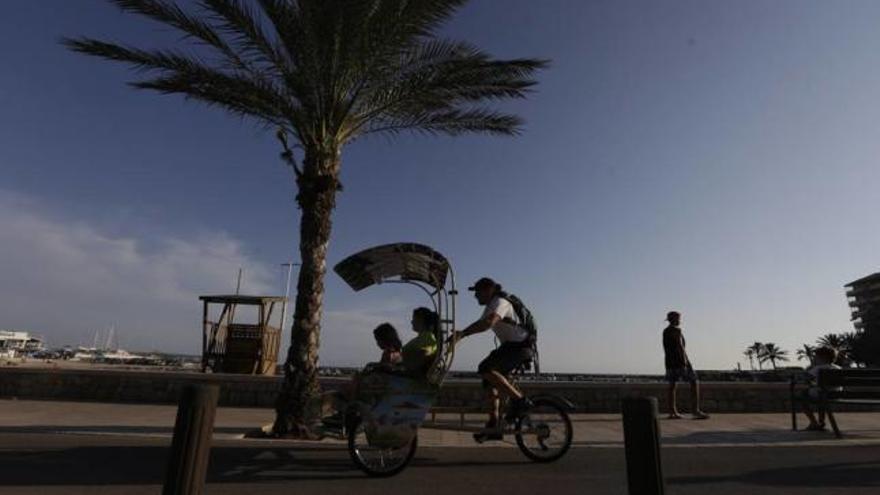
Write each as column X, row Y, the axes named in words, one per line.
column 506, row 358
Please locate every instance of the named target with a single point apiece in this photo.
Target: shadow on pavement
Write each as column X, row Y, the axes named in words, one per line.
column 848, row 474
column 145, row 465
column 758, row 436
column 110, row 465
column 119, row 429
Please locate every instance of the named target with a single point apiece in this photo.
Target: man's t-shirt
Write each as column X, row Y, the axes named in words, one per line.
column 419, row 353
column 673, row 347
column 814, row 372
column 505, row 331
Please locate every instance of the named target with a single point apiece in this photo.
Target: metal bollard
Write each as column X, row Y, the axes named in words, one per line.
column 191, row 445
column 641, row 438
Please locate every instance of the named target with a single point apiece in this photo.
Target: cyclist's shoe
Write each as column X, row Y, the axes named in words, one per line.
column 491, row 431
column 517, row 408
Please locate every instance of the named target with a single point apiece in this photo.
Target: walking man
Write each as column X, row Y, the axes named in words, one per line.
column 679, row 368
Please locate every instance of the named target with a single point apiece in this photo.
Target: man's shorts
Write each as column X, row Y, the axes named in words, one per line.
column 685, row 374
column 810, row 393
column 505, row 359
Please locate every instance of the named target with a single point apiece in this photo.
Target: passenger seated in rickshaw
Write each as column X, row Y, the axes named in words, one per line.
column 419, row 353
column 387, row 340
column 413, row 360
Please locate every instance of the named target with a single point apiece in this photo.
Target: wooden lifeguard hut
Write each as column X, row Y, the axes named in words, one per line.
column 245, row 348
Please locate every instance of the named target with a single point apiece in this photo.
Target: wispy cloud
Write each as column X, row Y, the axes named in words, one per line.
column 65, row 280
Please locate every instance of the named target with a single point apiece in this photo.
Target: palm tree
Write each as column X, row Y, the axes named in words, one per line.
column 840, row 342
column 849, row 341
column 750, row 353
column 322, row 73
column 758, row 351
column 832, row 340
column 805, row 353
column 773, row 353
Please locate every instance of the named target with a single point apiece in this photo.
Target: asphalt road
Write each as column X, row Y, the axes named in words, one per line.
column 73, row 464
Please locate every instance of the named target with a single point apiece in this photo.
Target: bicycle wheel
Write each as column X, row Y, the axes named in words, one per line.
column 544, row 432
column 378, row 462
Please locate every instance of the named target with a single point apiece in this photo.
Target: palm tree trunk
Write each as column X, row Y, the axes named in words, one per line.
column 298, row 404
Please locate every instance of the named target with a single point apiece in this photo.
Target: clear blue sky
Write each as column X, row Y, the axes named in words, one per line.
column 718, row 158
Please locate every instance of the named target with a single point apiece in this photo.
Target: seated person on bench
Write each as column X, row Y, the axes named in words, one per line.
column 822, row 359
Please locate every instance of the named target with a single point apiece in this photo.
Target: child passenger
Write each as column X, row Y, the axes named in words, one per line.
column 387, row 340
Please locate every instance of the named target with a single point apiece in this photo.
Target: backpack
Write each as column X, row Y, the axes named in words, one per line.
column 526, row 322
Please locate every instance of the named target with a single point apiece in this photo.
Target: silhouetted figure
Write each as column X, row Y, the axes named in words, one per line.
column 515, row 349
column 388, row 340
column 823, row 358
column 679, row 368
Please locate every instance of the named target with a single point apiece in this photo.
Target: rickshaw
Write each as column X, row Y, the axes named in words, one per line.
column 381, row 423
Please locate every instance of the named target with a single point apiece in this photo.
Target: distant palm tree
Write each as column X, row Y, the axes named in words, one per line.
column 323, row 73
column 849, row 342
column 832, row 340
column 805, row 353
column 750, row 353
column 840, row 342
column 773, row 353
column 758, row 351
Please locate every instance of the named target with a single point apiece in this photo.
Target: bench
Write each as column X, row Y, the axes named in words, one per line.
column 855, row 386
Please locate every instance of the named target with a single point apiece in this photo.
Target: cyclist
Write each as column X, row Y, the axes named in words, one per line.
column 515, row 349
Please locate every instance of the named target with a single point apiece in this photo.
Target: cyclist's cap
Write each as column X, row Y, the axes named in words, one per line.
column 483, row 282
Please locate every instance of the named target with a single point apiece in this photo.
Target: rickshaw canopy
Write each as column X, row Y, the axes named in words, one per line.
column 407, row 261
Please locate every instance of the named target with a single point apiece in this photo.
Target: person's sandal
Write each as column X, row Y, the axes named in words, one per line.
column 700, row 415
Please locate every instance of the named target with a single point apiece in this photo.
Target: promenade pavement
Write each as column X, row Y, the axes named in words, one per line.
column 590, row 430
column 94, row 448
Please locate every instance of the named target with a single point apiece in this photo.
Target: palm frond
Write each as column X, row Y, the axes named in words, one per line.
column 172, row 15
column 330, row 70
column 236, row 92
column 453, row 122
column 239, row 96
column 436, row 76
column 142, row 60
column 241, row 22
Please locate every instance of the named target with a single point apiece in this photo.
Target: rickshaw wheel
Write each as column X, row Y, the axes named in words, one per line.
column 374, row 461
column 544, row 433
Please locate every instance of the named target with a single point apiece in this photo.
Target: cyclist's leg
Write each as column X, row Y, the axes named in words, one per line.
column 494, row 404
column 500, row 364
column 500, row 383
column 492, row 395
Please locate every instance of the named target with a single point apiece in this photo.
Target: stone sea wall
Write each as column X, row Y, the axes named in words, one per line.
column 163, row 387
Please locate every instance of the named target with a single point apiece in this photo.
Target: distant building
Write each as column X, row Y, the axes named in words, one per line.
column 14, row 342
column 864, row 301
